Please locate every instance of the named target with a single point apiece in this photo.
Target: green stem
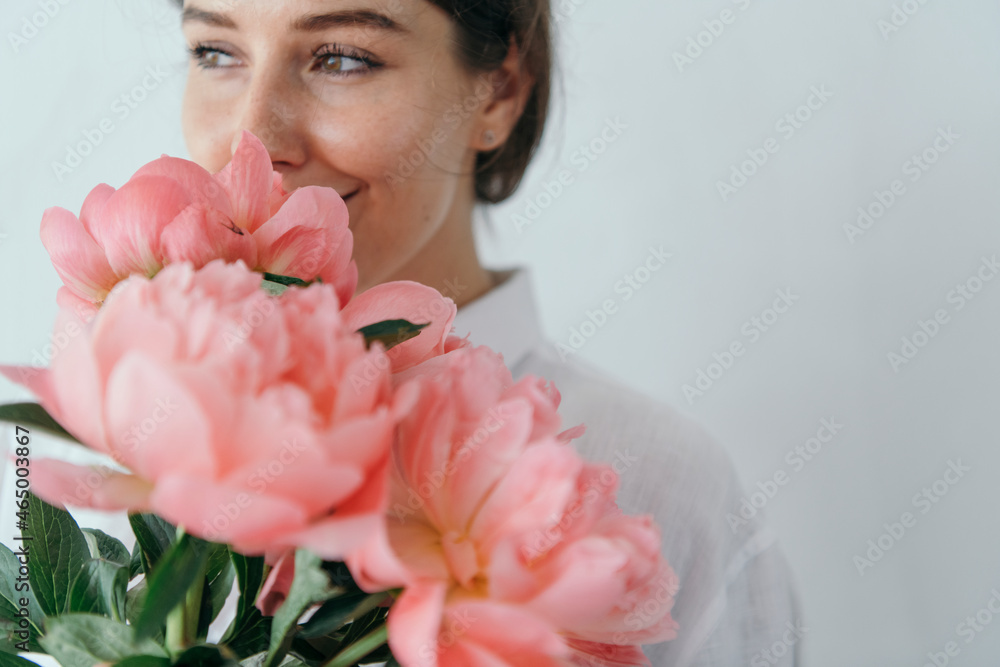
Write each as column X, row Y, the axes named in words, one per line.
column 192, row 608
column 174, row 638
column 182, row 621
column 360, row 648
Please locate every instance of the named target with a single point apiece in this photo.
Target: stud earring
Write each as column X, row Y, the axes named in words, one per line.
column 489, row 138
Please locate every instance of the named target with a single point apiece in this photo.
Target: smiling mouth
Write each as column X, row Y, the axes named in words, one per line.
column 348, row 196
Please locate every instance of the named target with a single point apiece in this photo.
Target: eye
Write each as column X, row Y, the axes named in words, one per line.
column 210, row 57
column 338, row 60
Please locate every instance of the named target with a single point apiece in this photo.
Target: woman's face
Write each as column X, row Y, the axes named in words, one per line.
column 365, row 96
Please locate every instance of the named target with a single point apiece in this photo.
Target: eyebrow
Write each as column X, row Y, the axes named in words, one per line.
column 310, row 23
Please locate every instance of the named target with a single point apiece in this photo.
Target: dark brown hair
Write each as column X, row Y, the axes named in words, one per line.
column 486, row 29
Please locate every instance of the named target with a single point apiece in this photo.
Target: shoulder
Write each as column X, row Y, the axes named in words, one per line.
column 670, row 466
column 656, row 448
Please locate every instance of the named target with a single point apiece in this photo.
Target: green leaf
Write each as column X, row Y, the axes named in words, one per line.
column 272, row 288
column 252, row 635
column 284, row 280
column 335, row 613
column 362, row 646
column 172, row 576
column 10, row 638
column 364, row 624
column 258, row 660
column 8, row 660
column 143, row 661
column 390, row 332
column 58, row 551
column 99, row 588
column 250, row 631
column 250, row 579
column 311, row 585
column 154, row 536
column 135, row 600
column 205, row 655
column 11, row 593
column 219, row 574
column 340, row 576
column 81, row 640
column 35, row 416
column 135, row 561
column 107, row 547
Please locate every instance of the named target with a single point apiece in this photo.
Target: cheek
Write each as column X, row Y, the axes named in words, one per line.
column 388, row 141
column 409, row 157
column 410, row 161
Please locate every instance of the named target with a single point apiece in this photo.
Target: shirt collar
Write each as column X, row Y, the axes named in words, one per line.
column 505, row 319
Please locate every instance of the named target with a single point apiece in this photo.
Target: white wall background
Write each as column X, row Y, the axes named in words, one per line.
column 656, row 184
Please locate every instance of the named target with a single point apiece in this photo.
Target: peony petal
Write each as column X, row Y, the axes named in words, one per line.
column 199, row 235
column 307, row 236
column 126, row 323
column 60, row 483
column 504, row 632
column 593, row 654
column 577, row 598
column 486, row 457
column 157, row 426
column 536, row 490
column 90, row 212
column 333, row 538
column 39, row 382
column 278, row 583
column 353, row 523
column 76, row 256
column 77, row 381
column 362, row 442
column 206, row 509
column 249, row 178
column 84, row 310
column 278, row 196
column 345, row 283
column 133, row 219
column 415, row 621
column 408, row 300
column 469, row 654
column 374, row 565
column 423, row 452
column 201, row 187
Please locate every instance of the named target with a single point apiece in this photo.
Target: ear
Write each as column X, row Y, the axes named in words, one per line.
column 511, row 85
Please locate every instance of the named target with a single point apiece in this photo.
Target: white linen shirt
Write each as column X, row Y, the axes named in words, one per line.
column 737, row 604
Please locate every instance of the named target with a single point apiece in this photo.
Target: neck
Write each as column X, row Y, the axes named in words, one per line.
column 448, row 261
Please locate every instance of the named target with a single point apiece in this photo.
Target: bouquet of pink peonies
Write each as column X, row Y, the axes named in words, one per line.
column 375, row 488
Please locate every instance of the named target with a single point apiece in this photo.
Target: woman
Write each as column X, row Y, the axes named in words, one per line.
column 415, row 112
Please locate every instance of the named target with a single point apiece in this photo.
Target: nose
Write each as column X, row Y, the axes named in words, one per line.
column 269, row 110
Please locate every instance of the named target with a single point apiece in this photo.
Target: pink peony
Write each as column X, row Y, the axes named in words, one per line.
column 511, row 548
column 173, row 210
column 251, row 419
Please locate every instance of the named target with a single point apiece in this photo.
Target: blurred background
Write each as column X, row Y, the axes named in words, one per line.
column 823, row 177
